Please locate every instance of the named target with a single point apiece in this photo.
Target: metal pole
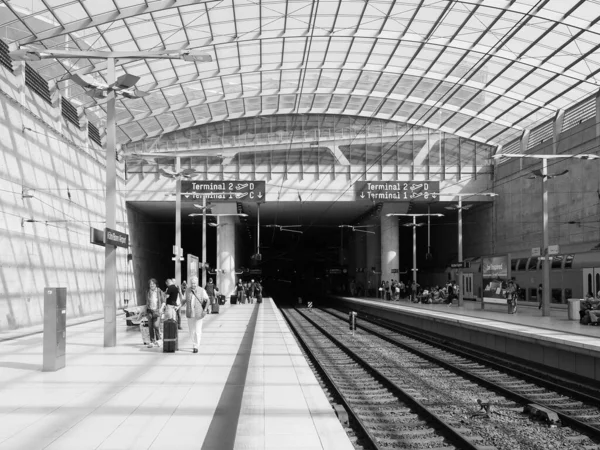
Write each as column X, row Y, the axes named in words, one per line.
column 460, row 253
column 546, row 266
column 415, row 249
column 178, row 221
column 110, row 251
column 258, row 228
column 203, row 240
column 218, row 263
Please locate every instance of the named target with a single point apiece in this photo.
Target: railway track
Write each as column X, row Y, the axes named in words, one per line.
column 387, row 414
column 574, row 408
column 436, row 380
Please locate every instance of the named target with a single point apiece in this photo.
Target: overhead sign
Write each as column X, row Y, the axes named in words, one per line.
column 116, row 238
column 397, row 191
column 553, row 249
column 536, row 251
column 460, row 265
column 223, row 191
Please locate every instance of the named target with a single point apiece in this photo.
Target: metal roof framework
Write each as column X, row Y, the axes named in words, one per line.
column 483, row 70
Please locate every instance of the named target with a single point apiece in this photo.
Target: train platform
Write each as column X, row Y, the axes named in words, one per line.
column 249, row 387
column 553, row 340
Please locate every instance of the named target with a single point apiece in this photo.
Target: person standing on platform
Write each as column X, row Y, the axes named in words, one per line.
column 540, row 291
column 155, row 299
column 172, row 294
column 195, row 301
column 239, row 289
column 211, row 290
column 414, row 286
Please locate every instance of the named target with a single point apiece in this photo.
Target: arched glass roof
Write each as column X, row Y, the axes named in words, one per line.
column 483, row 70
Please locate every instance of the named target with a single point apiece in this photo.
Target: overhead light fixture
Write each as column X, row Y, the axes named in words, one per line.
column 26, row 193
column 194, row 55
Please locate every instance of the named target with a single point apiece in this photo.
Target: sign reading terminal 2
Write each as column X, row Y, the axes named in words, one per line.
column 223, row 191
column 397, row 191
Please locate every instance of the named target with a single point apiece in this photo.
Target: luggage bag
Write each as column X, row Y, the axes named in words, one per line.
column 259, row 297
column 215, row 308
column 221, row 299
column 170, row 336
column 233, row 299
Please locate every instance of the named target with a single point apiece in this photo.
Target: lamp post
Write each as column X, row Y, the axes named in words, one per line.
column 543, row 174
column 459, row 209
column 97, row 90
column 414, row 224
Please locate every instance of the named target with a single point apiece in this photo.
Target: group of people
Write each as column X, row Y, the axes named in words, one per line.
column 248, row 291
column 193, row 299
column 395, row 290
column 589, row 311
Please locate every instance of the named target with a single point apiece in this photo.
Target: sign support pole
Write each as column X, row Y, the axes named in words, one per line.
column 178, row 222
column 110, row 251
column 546, row 266
column 203, row 241
column 460, row 253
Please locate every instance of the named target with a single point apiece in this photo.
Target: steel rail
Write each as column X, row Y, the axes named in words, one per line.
column 565, row 418
column 447, row 430
column 331, row 384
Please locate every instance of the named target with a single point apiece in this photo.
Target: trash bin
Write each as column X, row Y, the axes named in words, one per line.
column 573, row 308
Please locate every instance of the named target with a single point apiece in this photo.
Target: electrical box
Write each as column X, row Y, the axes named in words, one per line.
column 55, row 328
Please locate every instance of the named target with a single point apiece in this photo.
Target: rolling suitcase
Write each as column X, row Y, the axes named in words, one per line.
column 233, row 299
column 215, row 308
column 170, row 337
column 259, row 297
column 221, row 299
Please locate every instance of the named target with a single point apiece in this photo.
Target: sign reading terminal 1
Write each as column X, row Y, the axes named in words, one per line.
column 223, row 191
column 397, row 191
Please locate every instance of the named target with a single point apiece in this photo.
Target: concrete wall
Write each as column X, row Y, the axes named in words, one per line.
column 572, row 197
column 44, row 240
column 152, row 250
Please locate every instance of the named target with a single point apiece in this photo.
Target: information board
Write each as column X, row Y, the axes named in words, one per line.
column 223, row 191
column 397, row 191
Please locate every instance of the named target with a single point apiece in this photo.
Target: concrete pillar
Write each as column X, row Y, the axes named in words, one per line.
column 226, row 255
column 390, row 243
column 373, row 256
column 360, row 258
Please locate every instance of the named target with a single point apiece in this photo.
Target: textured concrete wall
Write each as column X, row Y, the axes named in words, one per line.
column 152, row 250
column 44, row 240
column 572, row 197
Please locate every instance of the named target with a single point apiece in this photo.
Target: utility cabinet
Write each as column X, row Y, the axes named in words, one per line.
column 55, row 328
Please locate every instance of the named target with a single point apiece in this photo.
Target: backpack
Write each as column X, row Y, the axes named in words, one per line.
column 585, row 319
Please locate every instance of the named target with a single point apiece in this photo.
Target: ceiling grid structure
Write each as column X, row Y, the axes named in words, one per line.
column 481, row 70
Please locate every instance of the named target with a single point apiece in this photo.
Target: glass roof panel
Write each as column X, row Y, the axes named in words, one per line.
column 352, row 62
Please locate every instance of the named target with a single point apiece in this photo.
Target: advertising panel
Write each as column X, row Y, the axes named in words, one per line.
column 494, row 270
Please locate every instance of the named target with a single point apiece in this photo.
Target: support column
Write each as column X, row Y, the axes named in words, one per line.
column 390, row 241
column 373, row 254
column 360, row 247
column 226, row 255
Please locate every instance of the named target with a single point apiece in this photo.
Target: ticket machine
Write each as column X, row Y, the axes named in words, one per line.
column 55, row 328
